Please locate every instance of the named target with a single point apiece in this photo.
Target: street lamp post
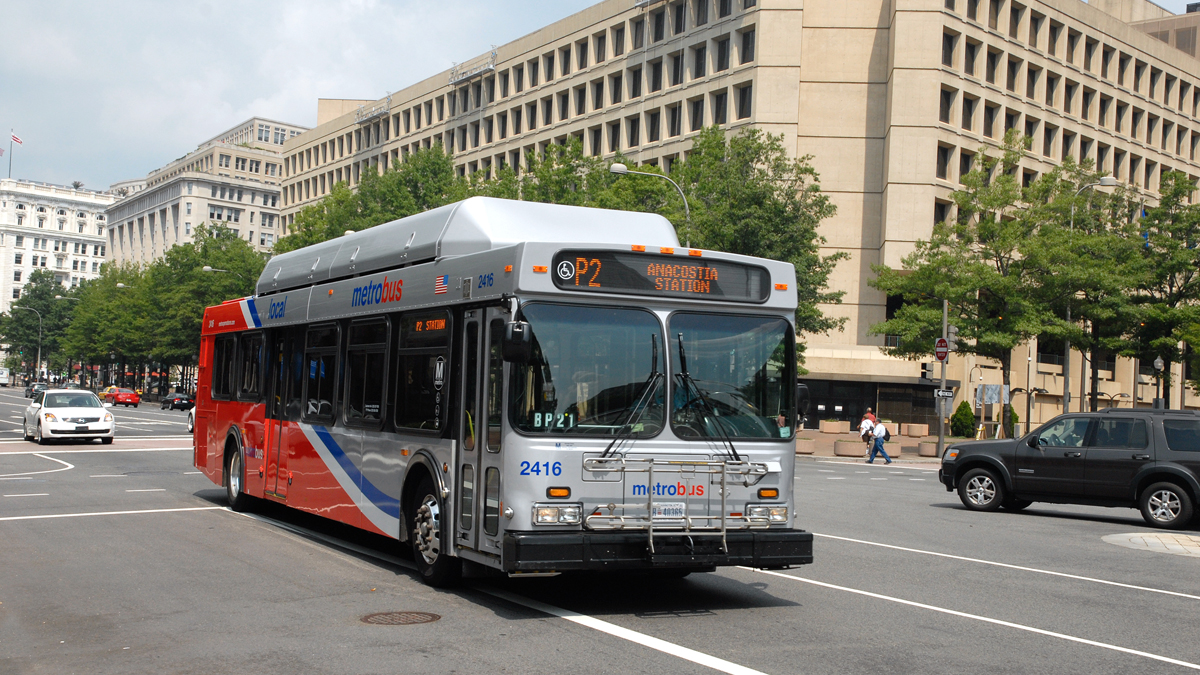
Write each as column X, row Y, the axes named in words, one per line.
column 1158, row 373
column 1105, row 181
column 622, row 170
column 1113, row 397
column 38, row 367
column 210, row 268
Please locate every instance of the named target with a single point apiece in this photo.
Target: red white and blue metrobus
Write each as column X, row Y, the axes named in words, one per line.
column 525, row 387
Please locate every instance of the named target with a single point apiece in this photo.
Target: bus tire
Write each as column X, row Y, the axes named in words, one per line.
column 436, row 568
column 235, row 475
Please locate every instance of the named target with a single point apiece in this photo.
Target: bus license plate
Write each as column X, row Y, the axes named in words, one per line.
column 668, row 510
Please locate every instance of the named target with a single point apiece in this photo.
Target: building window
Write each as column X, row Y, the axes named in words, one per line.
column 747, row 53
column 966, row 162
column 948, row 42
column 968, row 112
column 722, row 55
column 946, row 105
column 676, row 69
column 680, row 16
column 638, row 30
column 632, row 132
column 993, row 62
column 720, row 103
column 701, row 12
column 675, row 120
column 724, row 8
column 16, row 293
column 943, row 161
column 618, row 40
column 653, row 128
column 659, row 25
column 17, row 258
column 635, row 83
column 17, row 275
column 969, row 53
column 656, row 76
column 697, row 114
column 699, row 61
column 745, row 101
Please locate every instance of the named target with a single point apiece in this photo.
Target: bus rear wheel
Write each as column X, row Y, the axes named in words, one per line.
column 436, row 567
column 234, row 475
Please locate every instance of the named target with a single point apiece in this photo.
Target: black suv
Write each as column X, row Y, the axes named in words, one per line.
column 1135, row 458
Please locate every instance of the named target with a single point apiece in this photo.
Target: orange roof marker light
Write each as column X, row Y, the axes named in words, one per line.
column 781, row 287
column 638, row 247
column 508, row 268
column 541, row 269
column 666, row 250
column 695, row 253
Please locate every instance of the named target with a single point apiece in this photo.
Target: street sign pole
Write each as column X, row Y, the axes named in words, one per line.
column 942, row 402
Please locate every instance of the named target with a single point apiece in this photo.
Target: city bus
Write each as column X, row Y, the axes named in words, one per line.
column 526, row 388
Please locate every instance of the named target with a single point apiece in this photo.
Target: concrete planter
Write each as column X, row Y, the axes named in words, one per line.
column 849, row 449
column 904, row 428
column 835, row 427
column 806, row 446
column 916, row 430
column 927, row 449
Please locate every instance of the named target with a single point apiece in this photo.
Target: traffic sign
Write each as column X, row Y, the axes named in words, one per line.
column 941, row 349
column 943, row 393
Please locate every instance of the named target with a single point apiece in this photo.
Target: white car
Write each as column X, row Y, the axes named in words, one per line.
column 191, row 419
column 68, row 413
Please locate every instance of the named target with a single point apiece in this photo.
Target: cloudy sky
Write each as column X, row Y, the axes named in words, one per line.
column 107, row 91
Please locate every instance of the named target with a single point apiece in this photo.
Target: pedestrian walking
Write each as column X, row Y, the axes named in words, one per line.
column 871, row 416
column 864, row 430
column 879, row 433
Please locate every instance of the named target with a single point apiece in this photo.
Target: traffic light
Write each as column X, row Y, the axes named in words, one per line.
column 927, row 371
column 952, row 337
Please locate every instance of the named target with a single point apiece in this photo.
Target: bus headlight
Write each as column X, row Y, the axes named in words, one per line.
column 557, row 514
column 774, row 514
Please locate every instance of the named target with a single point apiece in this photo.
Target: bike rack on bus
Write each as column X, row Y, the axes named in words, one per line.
column 746, row 473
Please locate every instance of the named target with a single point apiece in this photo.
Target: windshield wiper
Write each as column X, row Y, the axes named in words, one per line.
column 703, row 398
column 649, row 388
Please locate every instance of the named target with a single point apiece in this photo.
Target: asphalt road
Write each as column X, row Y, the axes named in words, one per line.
column 146, row 420
column 120, row 560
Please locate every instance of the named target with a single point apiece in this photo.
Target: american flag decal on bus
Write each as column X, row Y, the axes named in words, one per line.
column 439, row 284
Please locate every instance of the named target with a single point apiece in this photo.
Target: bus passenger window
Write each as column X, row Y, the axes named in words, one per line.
column 251, row 366
column 224, row 367
column 495, row 383
column 321, row 370
column 422, row 366
column 366, row 371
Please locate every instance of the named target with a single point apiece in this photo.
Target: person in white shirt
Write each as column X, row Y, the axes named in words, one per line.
column 879, row 433
column 864, row 430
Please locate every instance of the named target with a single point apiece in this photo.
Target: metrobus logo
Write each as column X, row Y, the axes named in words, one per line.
column 376, row 294
column 670, row 490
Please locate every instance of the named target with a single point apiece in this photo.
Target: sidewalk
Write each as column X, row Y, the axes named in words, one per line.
column 900, row 447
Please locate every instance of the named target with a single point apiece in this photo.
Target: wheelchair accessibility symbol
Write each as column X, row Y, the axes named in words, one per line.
column 566, row 270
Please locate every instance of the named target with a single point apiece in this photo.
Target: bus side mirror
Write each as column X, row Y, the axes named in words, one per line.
column 518, row 342
column 803, row 399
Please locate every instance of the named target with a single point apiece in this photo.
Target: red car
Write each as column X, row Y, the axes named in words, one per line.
column 126, row 397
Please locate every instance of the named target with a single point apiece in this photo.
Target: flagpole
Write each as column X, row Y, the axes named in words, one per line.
column 10, row 135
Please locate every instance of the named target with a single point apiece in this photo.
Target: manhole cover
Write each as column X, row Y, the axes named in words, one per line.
column 399, row 618
column 1178, row 544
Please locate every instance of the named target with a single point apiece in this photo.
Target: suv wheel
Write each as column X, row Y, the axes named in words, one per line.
column 981, row 490
column 1166, row 505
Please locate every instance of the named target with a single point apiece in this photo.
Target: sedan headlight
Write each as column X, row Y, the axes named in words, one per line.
column 108, row 417
column 771, row 513
column 557, row 514
column 49, row 417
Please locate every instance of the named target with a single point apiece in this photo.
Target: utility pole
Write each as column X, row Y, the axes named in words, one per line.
column 942, row 401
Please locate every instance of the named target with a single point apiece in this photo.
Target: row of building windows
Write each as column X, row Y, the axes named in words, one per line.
column 43, row 244
column 236, row 194
column 80, row 226
column 82, row 215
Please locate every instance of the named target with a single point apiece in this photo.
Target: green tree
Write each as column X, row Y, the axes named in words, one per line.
column 962, row 422
column 20, row 327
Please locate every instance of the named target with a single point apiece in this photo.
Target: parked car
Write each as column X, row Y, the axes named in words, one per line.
column 72, row 385
column 178, row 401
column 1136, row 458
column 67, row 413
column 35, row 389
column 125, row 397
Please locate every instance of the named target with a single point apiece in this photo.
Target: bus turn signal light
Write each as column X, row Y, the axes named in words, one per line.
column 558, row 492
column 541, row 269
column 638, row 248
column 508, row 268
column 781, row 287
column 768, row 493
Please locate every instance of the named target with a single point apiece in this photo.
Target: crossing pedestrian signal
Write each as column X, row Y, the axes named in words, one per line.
column 927, row 371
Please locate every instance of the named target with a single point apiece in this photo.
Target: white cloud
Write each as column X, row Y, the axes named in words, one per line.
column 102, row 92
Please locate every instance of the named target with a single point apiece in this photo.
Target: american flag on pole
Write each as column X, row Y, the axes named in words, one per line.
column 17, row 140
column 439, row 284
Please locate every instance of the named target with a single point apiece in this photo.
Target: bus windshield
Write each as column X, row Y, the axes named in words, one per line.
column 593, row 372
column 739, row 377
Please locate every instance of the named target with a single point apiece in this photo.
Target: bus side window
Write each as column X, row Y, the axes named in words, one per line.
column 421, row 370
column 251, row 366
column 320, row 358
column 495, row 384
column 366, row 371
column 224, row 367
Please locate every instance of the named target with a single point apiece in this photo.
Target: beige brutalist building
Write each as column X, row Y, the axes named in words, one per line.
column 891, row 98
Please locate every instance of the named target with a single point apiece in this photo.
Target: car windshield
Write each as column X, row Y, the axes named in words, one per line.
column 72, row 401
column 739, row 378
column 590, row 372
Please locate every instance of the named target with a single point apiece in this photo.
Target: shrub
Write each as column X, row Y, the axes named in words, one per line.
column 962, row 422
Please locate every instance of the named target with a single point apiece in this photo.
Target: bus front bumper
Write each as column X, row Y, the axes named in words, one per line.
column 566, row 551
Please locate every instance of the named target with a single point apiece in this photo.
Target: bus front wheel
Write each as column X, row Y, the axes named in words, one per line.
column 436, row 567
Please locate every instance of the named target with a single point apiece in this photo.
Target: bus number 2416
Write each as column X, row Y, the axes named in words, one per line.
column 537, row 468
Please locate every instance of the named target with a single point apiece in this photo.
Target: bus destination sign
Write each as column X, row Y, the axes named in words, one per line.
column 661, row 275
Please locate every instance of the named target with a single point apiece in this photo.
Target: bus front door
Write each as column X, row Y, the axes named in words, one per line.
column 478, row 508
column 277, row 404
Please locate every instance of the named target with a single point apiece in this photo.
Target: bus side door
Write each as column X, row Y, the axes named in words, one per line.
column 480, row 427
column 283, row 354
column 466, row 528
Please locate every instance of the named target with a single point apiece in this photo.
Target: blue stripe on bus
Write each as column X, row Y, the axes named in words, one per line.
column 254, row 314
column 386, row 503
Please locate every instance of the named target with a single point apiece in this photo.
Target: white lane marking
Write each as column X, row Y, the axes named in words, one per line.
column 109, row 475
column 581, row 619
column 188, row 473
column 65, row 467
column 878, row 479
column 149, row 490
column 37, row 494
column 114, row 513
column 916, row 479
column 76, row 452
column 1012, row 567
column 17, row 478
column 862, row 472
column 657, row 644
column 826, row 471
column 985, row 619
column 835, row 478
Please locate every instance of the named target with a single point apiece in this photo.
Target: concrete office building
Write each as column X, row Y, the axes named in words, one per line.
column 893, row 99
column 231, row 179
column 49, row 227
